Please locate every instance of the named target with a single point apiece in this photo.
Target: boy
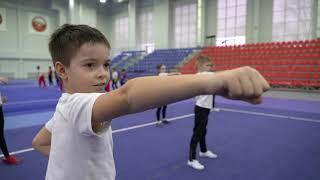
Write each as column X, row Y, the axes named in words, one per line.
column 162, row 71
column 204, row 103
column 78, row 138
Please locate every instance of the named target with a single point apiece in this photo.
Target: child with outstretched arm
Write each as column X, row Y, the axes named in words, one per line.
column 78, row 138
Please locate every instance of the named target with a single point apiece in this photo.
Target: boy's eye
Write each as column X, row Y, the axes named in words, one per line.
column 89, row 65
column 106, row 65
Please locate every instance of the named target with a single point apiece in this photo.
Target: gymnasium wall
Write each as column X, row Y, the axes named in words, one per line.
column 21, row 51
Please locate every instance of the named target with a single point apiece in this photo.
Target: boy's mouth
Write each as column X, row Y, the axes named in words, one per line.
column 100, row 84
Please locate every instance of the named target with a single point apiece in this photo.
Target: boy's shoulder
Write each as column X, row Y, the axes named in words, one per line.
column 66, row 97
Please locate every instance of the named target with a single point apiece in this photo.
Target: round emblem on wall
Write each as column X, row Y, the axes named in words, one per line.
column 0, row 19
column 39, row 24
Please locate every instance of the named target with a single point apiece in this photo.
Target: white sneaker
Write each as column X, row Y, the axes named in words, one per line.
column 164, row 121
column 195, row 164
column 216, row 109
column 208, row 154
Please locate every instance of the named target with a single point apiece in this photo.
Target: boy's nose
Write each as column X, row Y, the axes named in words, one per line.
column 102, row 72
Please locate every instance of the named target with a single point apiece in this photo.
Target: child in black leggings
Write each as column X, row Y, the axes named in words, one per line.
column 7, row 158
column 163, row 72
column 204, row 103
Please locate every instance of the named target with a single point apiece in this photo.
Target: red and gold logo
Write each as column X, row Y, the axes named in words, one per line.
column 39, row 24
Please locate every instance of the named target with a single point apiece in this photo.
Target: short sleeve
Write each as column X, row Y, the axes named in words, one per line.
column 79, row 112
column 49, row 125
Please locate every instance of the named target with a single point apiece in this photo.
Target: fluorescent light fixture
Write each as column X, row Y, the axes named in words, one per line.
column 103, row 1
column 71, row 3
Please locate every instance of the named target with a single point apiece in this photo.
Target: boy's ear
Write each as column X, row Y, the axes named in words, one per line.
column 61, row 70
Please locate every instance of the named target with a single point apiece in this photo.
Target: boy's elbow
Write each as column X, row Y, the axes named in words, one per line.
column 35, row 143
column 42, row 141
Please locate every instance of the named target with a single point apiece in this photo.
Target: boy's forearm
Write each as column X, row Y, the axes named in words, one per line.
column 144, row 93
column 150, row 92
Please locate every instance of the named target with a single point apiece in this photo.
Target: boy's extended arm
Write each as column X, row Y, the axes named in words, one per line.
column 149, row 92
column 174, row 73
column 42, row 141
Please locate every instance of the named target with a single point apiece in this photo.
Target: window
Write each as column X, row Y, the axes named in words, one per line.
column 121, row 34
column 185, row 25
column 145, row 31
column 231, row 22
column 292, row 20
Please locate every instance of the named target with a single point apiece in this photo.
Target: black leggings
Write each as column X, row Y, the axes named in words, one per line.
column 114, row 84
column 3, row 144
column 164, row 110
column 199, row 131
column 50, row 79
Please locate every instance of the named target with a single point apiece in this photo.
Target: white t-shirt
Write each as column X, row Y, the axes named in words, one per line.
column 205, row 101
column 115, row 75
column 77, row 152
column 163, row 74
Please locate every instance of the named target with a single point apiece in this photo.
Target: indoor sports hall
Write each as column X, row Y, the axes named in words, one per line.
column 276, row 139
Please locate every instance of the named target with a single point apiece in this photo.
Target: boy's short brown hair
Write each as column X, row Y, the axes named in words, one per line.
column 202, row 59
column 67, row 40
column 159, row 66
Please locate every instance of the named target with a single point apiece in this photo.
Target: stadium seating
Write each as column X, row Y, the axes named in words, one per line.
column 169, row 57
column 292, row 63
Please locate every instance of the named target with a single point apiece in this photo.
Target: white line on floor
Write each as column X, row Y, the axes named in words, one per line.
column 272, row 115
column 190, row 115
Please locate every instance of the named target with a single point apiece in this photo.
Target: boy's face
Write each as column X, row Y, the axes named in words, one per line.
column 205, row 67
column 163, row 69
column 89, row 69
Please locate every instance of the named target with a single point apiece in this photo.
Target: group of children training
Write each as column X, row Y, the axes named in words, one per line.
column 42, row 79
column 78, row 138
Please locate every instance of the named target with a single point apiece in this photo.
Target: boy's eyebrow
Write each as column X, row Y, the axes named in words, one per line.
column 88, row 59
column 93, row 59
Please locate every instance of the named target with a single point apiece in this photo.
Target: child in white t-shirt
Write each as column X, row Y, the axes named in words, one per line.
column 204, row 103
column 78, row 138
column 162, row 70
column 115, row 78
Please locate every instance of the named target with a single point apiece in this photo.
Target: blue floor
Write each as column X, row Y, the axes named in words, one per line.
column 273, row 141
